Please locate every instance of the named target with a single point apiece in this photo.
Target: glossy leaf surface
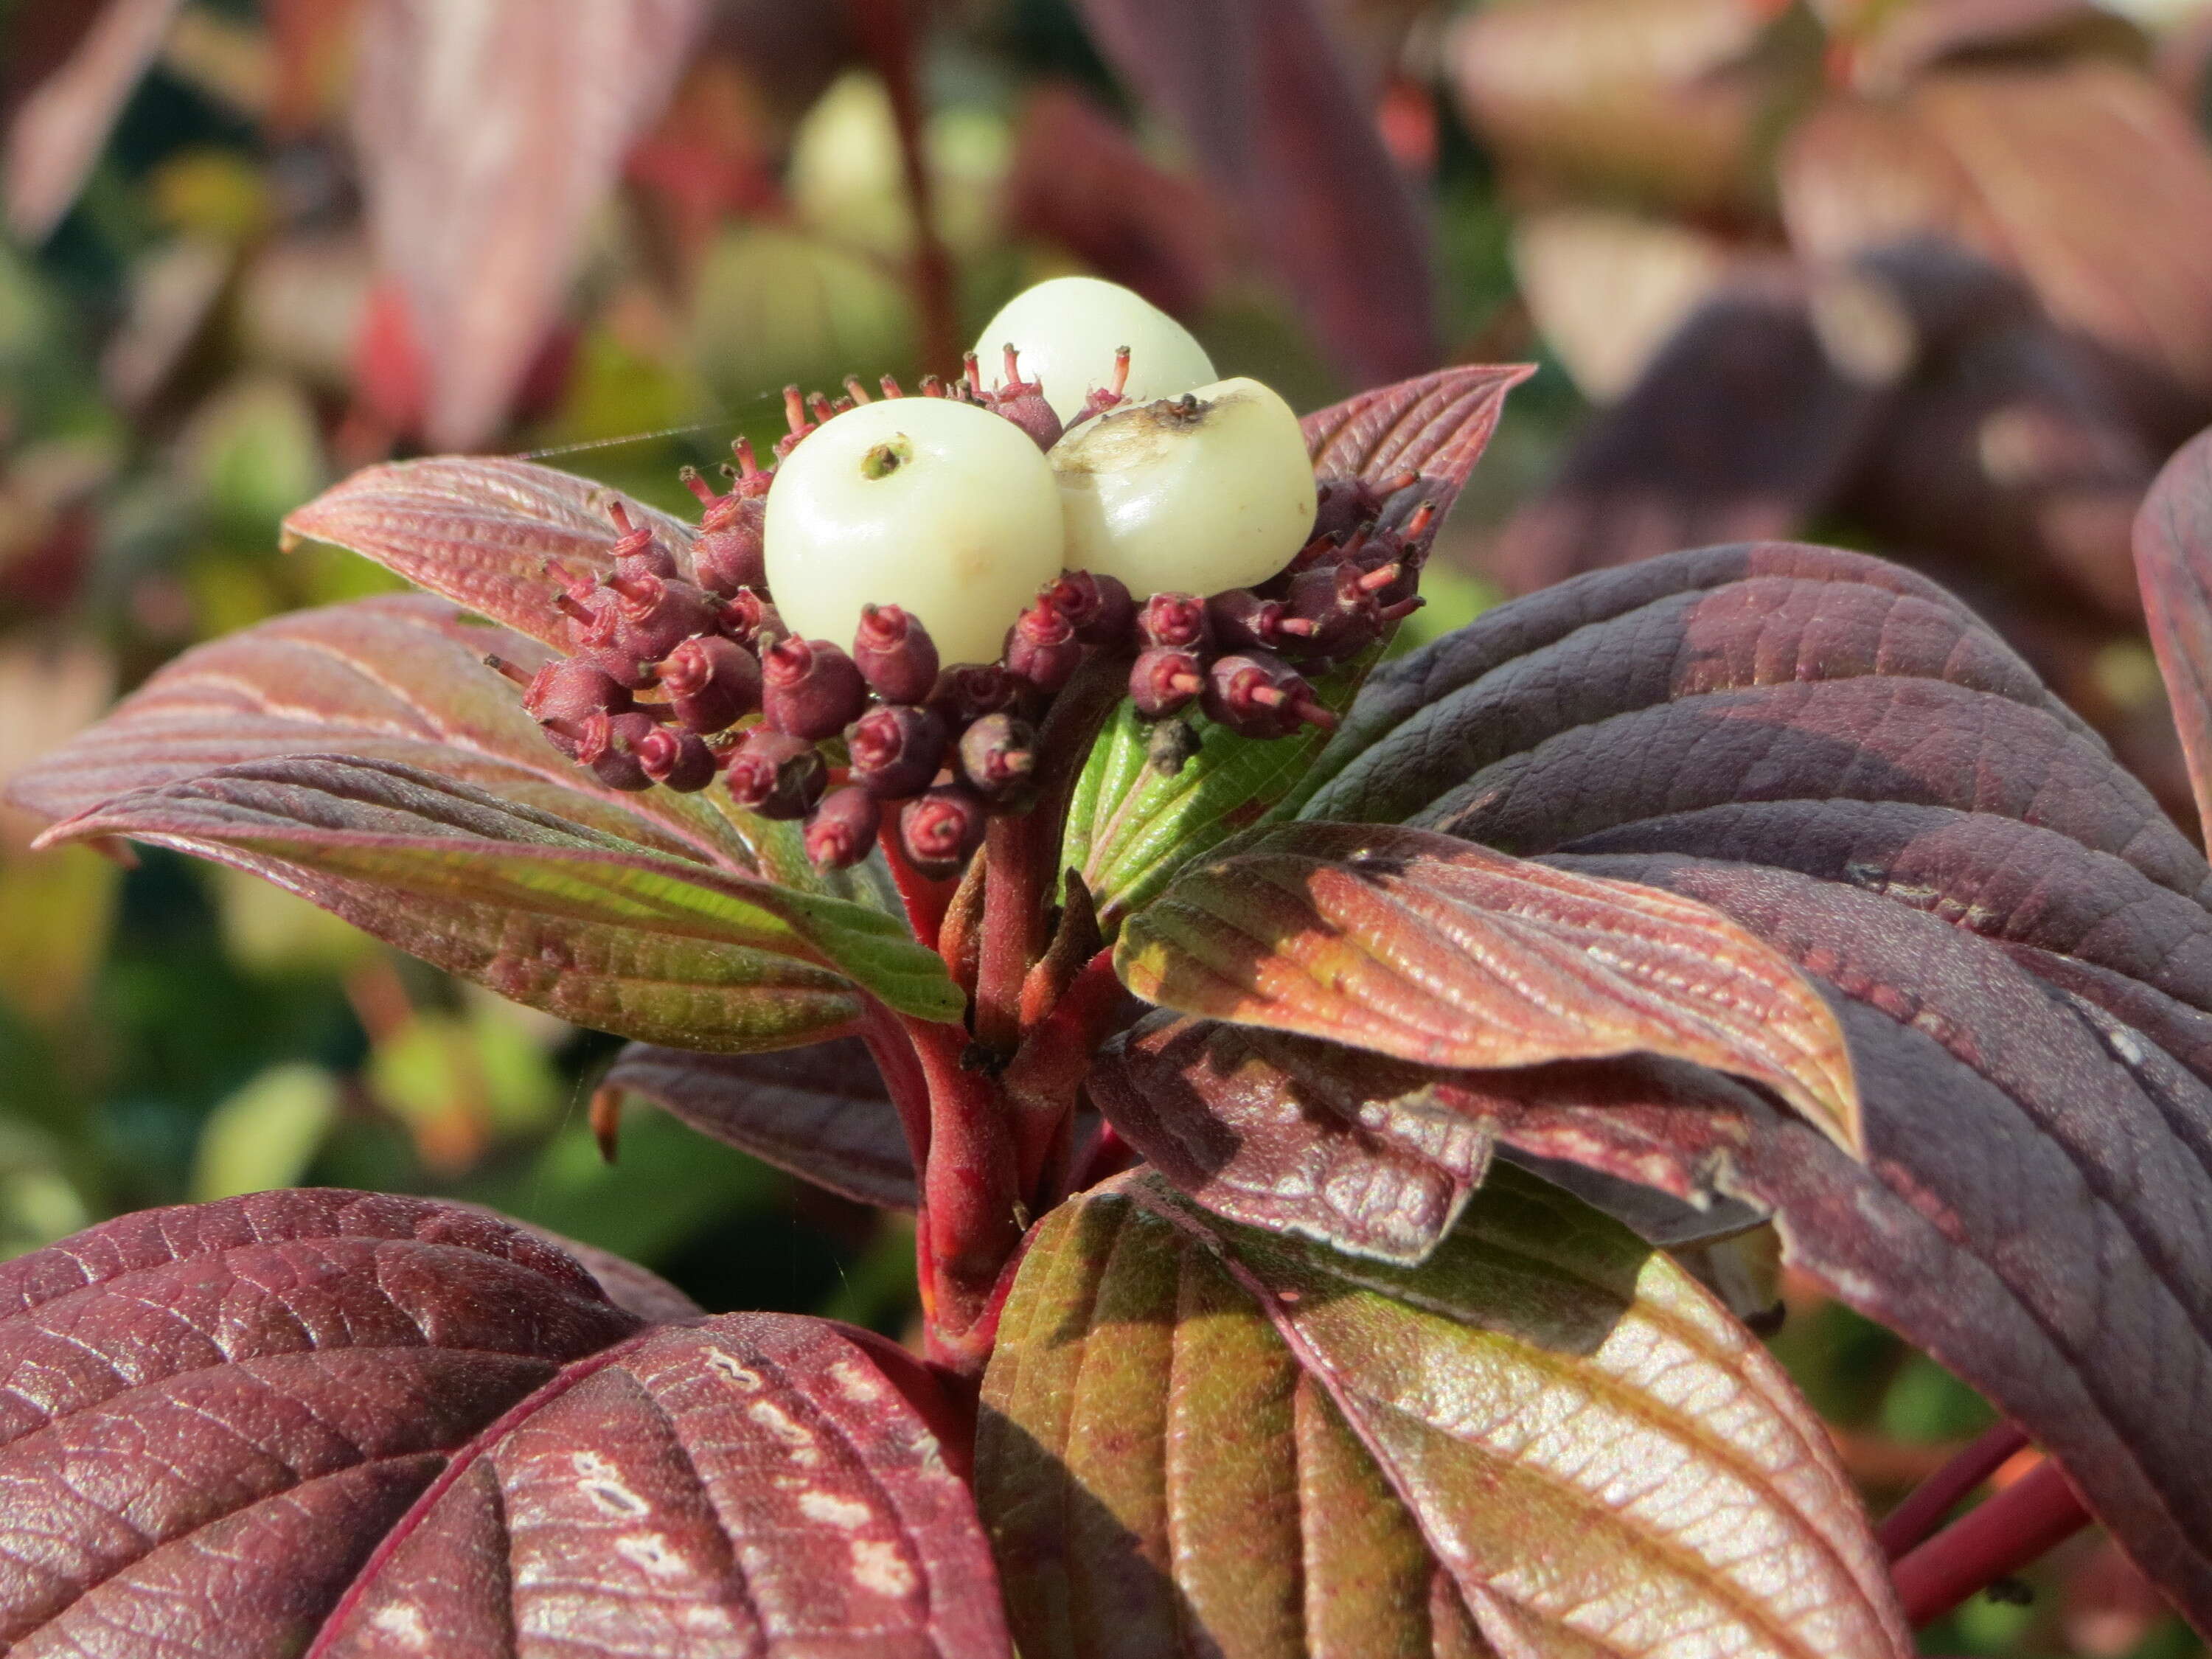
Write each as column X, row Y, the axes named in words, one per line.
column 547, row 913
column 1261, row 93
column 1837, row 755
column 487, row 140
column 479, row 530
column 820, row 1112
column 1201, row 1440
column 1129, row 829
column 343, row 1424
column 1423, row 948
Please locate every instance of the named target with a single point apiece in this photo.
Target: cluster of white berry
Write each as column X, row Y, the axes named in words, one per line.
column 923, row 574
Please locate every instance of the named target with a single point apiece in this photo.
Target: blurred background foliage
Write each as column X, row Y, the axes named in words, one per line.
column 1929, row 276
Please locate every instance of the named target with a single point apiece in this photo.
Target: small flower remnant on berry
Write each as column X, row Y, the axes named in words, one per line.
column 871, row 635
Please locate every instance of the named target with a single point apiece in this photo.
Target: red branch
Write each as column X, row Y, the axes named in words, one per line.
column 1908, row 1525
column 887, row 34
column 2036, row 1513
column 972, row 1220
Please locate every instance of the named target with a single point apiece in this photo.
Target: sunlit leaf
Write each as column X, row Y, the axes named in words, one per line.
column 1203, row 1439
column 1426, row 948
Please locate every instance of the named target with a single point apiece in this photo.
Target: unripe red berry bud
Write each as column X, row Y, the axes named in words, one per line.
column 941, row 830
column 1098, row 608
column 636, row 551
column 964, row 694
column 712, row 683
column 813, row 689
column 1257, row 694
column 1041, row 648
column 1343, row 618
column 567, row 689
column 1163, row 680
column 746, row 615
column 895, row 749
column 1022, row 402
column 1177, row 620
column 654, row 617
column 998, row 754
column 608, row 744
column 776, row 775
column 727, row 554
column 1342, row 505
column 841, row 830
column 895, row 654
column 1241, row 618
column 678, row 759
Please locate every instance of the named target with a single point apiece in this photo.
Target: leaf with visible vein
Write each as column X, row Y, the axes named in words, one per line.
column 1424, row 948
column 1197, row 1438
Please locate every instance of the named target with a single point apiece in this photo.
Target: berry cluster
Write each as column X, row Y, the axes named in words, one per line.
column 675, row 678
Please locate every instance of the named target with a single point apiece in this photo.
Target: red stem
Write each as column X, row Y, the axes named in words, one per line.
column 972, row 1219
column 1055, row 1056
column 2034, row 1514
column 1908, row 1525
column 904, row 1079
column 1014, row 926
column 886, row 33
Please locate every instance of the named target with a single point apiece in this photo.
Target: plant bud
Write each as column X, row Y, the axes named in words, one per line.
column 1342, row 618
column 607, row 744
column 895, row 749
column 1342, row 506
column 1257, row 694
column 1041, row 648
column 747, row 615
column 1163, row 680
column 1098, row 608
column 1178, row 621
column 1022, row 402
column 813, row 689
column 681, row 760
column 712, row 683
column 895, row 654
column 1241, row 618
column 776, row 775
column 653, row 616
column 941, row 830
column 727, row 555
column 841, row 830
column 636, row 551
column 998, row 754
column 1068, row 331
column 567, row 689
column 964, row 694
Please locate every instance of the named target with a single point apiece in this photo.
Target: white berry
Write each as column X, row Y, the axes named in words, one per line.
column 1196, row 494
column 1067, row 331
column 939, row 506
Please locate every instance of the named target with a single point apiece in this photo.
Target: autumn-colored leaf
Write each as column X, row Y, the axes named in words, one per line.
column 2174, row 558
column 1427, row 949
column 1837, row 755
column 1199, row 1439
column 1128, row 828
column 368, row 1425
column 487, row 140
column 399, row 678
column 481, row 531
column 1261, row 93
column 595, row 929
column 820, row 1112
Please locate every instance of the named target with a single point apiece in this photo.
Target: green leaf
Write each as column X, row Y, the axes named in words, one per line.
column 1433, row 949
column 601, row 930
column 1201, row 1439
column 266, row 1134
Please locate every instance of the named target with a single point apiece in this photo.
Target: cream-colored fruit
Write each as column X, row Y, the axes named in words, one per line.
column 1067, row 331
column 939, row 506
column 1195, row 495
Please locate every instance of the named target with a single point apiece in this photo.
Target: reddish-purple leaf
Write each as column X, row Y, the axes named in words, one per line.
column 1739, row 428
column 487, row 139
column 2174, row 558
column 820, row 1112
column 1261, row 92
column 1434, row 427
column 1837, row 757
column 339, row 1424
column 549, row 913
column 1199, row 1439
column 1423, row 948
column 399, row 678
column 479, row 530
column 1905, row 41
column 57, row 131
